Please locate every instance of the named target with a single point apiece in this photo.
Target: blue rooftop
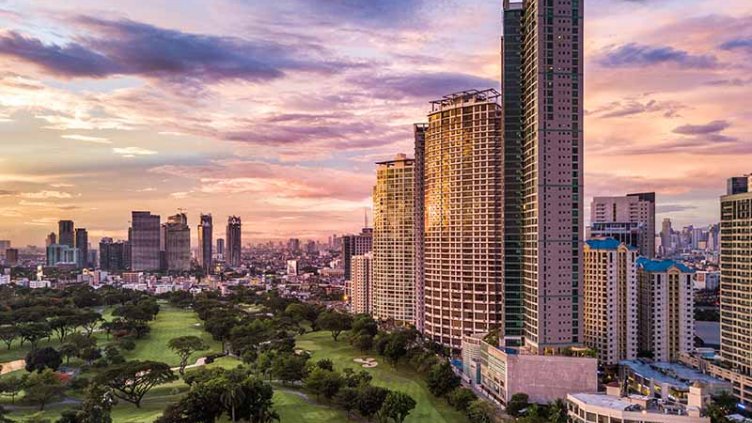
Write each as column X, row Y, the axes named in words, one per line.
column 605, row 244
column 660, row 266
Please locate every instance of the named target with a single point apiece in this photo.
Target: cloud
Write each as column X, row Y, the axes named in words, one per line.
column 45, row 194
column 713, row 127
column 425, row 85
column 738, row 44
column 7, row 193
column 672, row 208
column 125, row 47
column 638, row 55
column 86, row 138
column 133, row 151
column 381, row 13
column 631, row 107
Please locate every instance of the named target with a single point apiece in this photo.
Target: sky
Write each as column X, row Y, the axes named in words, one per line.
column 277, row 111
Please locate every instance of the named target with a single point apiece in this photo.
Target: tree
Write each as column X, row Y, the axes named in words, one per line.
column 97, row 405
column 45, row 358
column 131, row 380
column 184, row 346
column 3, row 415
column 220, row 328
column 480, row 411
column 11, row 386
column 334, row 322
column 347, row 399
column 34, row 332
column 441, row 379
column 721, row 406
column 396, row 348
column 363, row 342
column 88, row 321
column 355, row 380
column 68, row 350
column 370, row 400
column 325, row 364
column 41, row 388
column 517, row 403
column 461, row 398
column 289, row 367
column 8, row 333
column 233, row 395
column 258, row 405
column 557, row 412
column 397, row 406
column 364, row 324
column 324, row 382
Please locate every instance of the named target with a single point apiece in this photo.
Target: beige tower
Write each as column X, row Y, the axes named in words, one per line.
column 360, row 285
column 393, row 282
column 462, row 217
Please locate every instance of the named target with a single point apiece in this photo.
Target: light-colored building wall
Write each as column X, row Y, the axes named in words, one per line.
column 360, row 284
column 393, row 284
column 604, row 408
column 632, row 208
column 610, row 300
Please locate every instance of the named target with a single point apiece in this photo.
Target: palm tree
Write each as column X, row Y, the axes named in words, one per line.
column 232, row 396
column 557, row 412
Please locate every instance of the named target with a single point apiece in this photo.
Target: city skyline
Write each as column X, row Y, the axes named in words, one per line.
column 88, row 138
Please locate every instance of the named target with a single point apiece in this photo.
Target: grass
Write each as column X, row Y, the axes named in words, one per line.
column 293, row 408
column 402, row 378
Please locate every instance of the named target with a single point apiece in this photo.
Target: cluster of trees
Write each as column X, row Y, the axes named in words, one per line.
column 519, row 407
column 352, row 391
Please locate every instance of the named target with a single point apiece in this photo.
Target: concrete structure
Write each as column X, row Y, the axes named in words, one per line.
column 82, row 243
column 667, row 247
column 176, row 235
column 707, row 280
column 355, row 245
column 220, row 252
column 742, row 384
column 51, row 239
column 112, row 255
column 205, row 229
column 636, row 209
column 393, row 283
column 292, row 268
column 360, row 284
column 419, row 132
column 610, row 300
column 736, row 279
column 62, row 255
column 462, row 217
column 543, row 171
column 65, row 233
column 612, row 407
column 669, row 381
column 144, row 237
column 11, row 256
column 234, row 241
column 508, row 371
column 666, row 308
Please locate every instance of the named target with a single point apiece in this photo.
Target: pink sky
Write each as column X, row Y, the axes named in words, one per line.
column 276, row 111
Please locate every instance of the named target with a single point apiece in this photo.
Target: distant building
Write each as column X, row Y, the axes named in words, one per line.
column 82, row 243
column 666, row 308
column 144, row 237
column 610, row 300
column 62, row 255
column 292, row 267
column 205, row 229
column 293, row 245
column 360, row 284
column 11, row 256
column 4, row 245
column 393, row 283
column 176, row 235
column 707, row 280
column 355, row 245
column 634, row 209
column 234, row 241
column 65, row 233
column 220, row 248
column 51, row 239
column 667, row 242
column 112, row 255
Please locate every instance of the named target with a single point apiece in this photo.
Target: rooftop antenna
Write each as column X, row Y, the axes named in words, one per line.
column 365, row 216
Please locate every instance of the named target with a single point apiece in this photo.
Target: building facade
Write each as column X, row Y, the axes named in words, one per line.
column 112, row 255
column 234, row 241
column 82, row 244
column 360, row 284
column 144, row 238
column 177, row 243
column 419, row 133
column 205, row 244
column 666, row 308
column 610, row 300
column 626, row 214
column 355, row 245
column 393, row 282
column 462, row 217
column 65, row 233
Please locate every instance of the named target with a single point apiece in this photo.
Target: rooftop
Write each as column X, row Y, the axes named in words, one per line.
column 674, row 374
column 632, row 403
column 660, row 266
column 470, row 96
column 605, row 244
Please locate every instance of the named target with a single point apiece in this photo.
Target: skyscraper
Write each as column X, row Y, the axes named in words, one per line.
column 666, row 238
column 360, row 285
column 234, row 241
column 419, row 131
column 355, row 245
column 393, row 281
column 736, row 279
column 112, row 255
column 542, row 56
column 462, row 216
column 51, row 239
column 82, row 244
column 610, row 300
column 177, row 243
column 205, row 242
column 144, row 239
column 221, row 248
column 632, row 209
column 65, row 233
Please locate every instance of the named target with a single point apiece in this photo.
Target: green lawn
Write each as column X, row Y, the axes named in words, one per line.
column 404, row 379
column 294, row 408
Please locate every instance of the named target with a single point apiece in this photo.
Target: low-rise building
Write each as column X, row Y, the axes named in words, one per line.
column 741, row 384
column 668, row 381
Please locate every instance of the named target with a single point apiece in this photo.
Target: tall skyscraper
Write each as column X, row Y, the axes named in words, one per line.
column 610, row 300
column 82, row 244
column 619, row 217
column 666, row 238
column 393, row 281
column 360, row 285
column 144, row 239
column 176, row 235
column 462, row 216
column 234, row 241
column 666, row 308
column 419, row 131
column 112, row 255
column 355, row 245
column 736, row 279
column 542, row 84
column 205, row 242
column 221, row 248
column 65, row 233
column 51, row 239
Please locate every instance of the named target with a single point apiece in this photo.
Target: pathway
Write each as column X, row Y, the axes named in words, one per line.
column 12, row 366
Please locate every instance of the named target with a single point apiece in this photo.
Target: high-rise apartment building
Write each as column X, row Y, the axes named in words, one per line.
column 82, row 244
column 542, row 84
column 736, row 279
column 112, row 255
column 65, row 233
column 234, row 241
column 393, row 282
column 144, row 239
column 360, row 284
column 462, row 216
column 610, row 300
column 205, row 242
column 419, row 132
column 355, row 245
column 624, row 216
column 666, row 308
column 666, row 238
column 176, row 236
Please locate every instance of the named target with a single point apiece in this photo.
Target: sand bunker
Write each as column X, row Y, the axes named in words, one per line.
column 368, row 363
